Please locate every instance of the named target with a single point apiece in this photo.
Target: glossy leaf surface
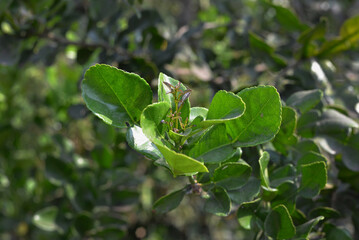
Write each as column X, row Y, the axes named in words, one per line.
column 247, row 192
column 213, row 146
column 169, row 202
column 198, row 111
column 314, row 178
column 151, row 123
column 181, row 164
column 218, row 203
column 114, row 95
column 232, row 175
column 278, row 223
column 302, row 231
column 139, row 142
column 263, row 163
column 261, row 120
column 246, row 214
column 225, row 106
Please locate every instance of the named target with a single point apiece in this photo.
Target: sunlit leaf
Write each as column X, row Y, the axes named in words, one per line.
column 225, row 106
column 114, row 95
column 45, row 219
column 261, row 120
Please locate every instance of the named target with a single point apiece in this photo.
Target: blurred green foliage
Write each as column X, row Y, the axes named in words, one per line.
column 64, row 174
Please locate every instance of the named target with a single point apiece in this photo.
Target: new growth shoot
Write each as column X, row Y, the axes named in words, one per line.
column 176, row 123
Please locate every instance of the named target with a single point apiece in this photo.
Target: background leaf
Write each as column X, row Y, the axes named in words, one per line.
column 46, row 219
column 305, row 100
column 349, row 36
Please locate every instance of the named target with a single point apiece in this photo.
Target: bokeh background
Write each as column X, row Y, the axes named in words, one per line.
column 64, row 174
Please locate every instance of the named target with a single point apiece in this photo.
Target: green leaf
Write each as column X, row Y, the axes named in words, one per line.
column 285, row 137
column 264, row 51
column 314, row 178
column 45, row 219
column 263, row 163
column 114, row 95
column 306, row 146
column 350, row 153
column 288, row 20
column 307, row 123
column 311, row 157
column 268, row 192
column 246, row 214
column 282, row 174
column 349, row 150
column 181, row 164
column 349, row 36
column 289, row 122
column 232, row 175
column 333, row 233
column 218, row 203
column 151, row 123
column 213, row 146
column 169, row 202
column 247, row 192
column 308, row 36
column 103, row 155
column 261, row 120
column 278, row 223
column 305, row 100
column 164, row 97
column 225, row 106
column 302, row 231
column 325, row 212
column 258, row 44
column 58, row 171
column 334, row 123
column 286, row 195
column 137, row 140
column 198, row 111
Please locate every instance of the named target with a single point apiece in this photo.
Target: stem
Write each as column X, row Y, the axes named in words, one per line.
column 192, row 180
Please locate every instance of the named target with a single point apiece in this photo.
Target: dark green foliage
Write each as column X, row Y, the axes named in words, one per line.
column 245, row 113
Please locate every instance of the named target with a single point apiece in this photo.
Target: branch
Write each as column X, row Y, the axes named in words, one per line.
column 64, row 41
